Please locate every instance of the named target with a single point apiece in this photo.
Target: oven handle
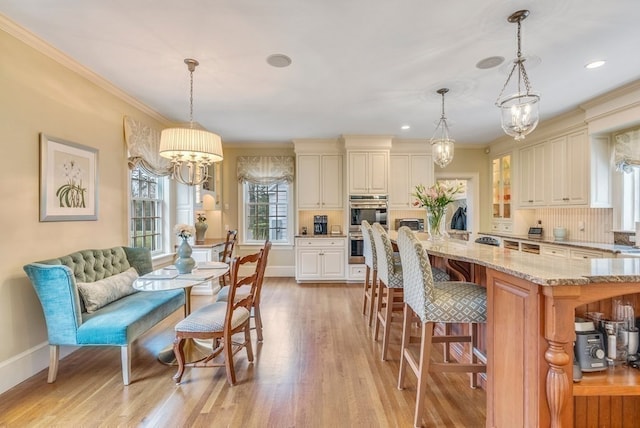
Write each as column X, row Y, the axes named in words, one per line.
column 368, row 206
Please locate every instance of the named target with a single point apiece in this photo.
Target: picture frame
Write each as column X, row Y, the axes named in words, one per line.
column 68, row 180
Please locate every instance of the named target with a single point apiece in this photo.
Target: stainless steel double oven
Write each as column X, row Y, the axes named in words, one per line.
column 372, row 208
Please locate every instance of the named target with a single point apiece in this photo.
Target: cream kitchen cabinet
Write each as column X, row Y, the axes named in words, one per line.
column 568, row 182
column 319, row 181
column 533, row 175
column 368, row 172
column 320, row 259
column 407, row 171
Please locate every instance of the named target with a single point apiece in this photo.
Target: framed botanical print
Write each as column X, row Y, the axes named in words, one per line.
column 68, row 180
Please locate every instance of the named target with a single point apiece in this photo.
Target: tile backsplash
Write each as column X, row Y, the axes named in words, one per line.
column 597, row 223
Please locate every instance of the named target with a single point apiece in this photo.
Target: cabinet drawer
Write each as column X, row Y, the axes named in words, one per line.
column 585, row 254
column 507, row 227
column 320, row 242
column 554, row 251
column 357, row 271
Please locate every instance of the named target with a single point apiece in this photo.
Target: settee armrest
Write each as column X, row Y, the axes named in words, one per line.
column 56, row 288
column 139, row 258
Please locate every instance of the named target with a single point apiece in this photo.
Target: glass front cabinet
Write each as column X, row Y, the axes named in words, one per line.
column 501, row 194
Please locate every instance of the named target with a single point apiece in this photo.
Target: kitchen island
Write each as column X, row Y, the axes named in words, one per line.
column 531, row 303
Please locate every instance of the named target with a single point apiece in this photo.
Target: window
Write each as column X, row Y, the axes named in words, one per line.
column 146, row 211
column 630, row 200
column 266, row 212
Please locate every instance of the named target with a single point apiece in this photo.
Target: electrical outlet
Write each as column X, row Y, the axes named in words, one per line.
column 226, row 227
column 632, row 238
column 581, row 225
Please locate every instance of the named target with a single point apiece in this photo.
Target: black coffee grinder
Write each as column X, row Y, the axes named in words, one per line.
column 319, row 224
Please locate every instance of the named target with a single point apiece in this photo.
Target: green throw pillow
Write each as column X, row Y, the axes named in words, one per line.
column 100, row 293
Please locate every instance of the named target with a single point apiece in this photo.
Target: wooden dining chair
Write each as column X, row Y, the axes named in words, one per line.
column 430, row 302
column 223, row 294
column 220, row 321
column 227, row 254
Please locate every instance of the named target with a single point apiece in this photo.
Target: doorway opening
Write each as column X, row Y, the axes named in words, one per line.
column 462, row 216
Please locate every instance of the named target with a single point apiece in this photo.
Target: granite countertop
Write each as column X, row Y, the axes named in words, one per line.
column 538, row 269
column 598, row 246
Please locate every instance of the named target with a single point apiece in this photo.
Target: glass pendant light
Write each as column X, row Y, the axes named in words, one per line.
column 520, row 113
column 441, row 142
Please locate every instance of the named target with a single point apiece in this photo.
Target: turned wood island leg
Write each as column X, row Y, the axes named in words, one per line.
column 559, row 331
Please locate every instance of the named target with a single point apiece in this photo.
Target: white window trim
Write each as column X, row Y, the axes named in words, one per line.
column 241, row 221
column 625, row 203
column 165, row 254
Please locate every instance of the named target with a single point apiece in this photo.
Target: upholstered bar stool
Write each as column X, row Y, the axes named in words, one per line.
column 442, row 302
column 389, row 285
column 371, row 272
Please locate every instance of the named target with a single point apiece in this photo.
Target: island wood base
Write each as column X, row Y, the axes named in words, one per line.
column 530, row 334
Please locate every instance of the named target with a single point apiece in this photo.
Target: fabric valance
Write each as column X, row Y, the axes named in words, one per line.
column 143, row 143
column 626, row 150
column 265, row 169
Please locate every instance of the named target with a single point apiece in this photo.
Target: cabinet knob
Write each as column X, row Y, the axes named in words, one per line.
column 565, row 199
column 530, row 201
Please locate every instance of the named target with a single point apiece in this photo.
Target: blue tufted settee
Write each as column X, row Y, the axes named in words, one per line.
column 117, row 323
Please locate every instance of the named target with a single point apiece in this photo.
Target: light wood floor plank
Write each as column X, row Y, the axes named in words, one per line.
column 317, row 367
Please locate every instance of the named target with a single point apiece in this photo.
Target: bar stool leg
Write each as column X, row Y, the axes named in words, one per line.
column 374, row 295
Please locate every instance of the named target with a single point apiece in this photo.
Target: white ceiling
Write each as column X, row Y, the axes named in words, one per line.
column 359, row 66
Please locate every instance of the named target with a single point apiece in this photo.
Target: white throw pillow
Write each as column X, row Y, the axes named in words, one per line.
column 100, row 293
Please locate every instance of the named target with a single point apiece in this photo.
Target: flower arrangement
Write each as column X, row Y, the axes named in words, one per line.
column 201, row 217
column 436, row 196
column 435, row 199
column 184, row 231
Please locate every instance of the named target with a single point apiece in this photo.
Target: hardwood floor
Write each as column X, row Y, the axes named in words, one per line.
column 318, row 367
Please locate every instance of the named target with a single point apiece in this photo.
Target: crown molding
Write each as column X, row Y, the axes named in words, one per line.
column 66, row 61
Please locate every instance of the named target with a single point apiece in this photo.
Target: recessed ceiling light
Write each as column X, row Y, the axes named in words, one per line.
column 490, row 62
column 595, row 64
column 405, row 127
column 279, row 60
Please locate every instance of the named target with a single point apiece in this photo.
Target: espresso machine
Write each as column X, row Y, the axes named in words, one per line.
column 320, row 224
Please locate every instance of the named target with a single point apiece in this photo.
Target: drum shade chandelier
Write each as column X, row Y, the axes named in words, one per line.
column 441, row 142
column 190, row 150
column 520, row 113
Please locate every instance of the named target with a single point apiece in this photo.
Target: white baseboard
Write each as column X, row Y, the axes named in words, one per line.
column 21, row 367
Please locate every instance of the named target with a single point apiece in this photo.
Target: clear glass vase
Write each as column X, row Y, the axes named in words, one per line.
column 436, row 227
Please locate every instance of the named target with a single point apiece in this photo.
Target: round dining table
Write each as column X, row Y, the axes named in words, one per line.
column 168, row 278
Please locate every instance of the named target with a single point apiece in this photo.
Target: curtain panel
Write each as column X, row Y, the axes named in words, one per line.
column 626, row 150
column 143, row 143
column 265, row 169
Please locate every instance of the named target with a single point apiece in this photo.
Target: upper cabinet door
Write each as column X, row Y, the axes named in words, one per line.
column 399, row 181
column 309, row 181
column 319, row 181
column 369, row 173
column 379, row 173
column 331, row 185
column 568, row 169
column 358, row 183
column 406, row 171
column 533, row 176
